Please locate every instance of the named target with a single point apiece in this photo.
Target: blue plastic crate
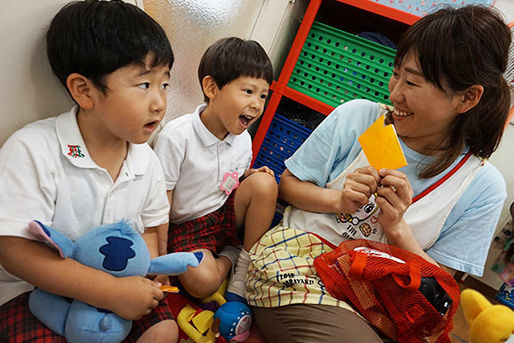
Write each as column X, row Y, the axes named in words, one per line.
column 276, row 219
column 281, row 141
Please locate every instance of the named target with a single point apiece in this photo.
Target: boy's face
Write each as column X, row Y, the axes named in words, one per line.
column 240, row 103
column 135, row 102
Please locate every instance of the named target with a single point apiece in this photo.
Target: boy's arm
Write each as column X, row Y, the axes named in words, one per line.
column 151, row 237
column 129, row 297
column 162, row 239
column 156, row 239
column 156, row 210
column 162, row 230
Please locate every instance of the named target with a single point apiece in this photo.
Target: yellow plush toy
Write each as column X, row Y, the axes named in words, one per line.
column 489, row 323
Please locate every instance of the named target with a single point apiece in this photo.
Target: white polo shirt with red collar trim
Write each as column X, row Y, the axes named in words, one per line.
column 195, row 163
column 46, row 174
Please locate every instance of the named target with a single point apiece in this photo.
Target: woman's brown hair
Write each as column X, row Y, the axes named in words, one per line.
column 459, row 48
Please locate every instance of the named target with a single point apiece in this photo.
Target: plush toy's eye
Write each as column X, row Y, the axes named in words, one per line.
column 117, row 252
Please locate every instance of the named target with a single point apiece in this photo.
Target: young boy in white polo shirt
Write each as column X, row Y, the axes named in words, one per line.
column 88, row 167
column 204, row 156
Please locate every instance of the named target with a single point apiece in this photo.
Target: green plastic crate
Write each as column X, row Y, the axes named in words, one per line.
column 335, row 66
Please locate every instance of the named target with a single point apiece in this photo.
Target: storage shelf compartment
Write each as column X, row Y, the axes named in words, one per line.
column 335, row 66
column 291, row 125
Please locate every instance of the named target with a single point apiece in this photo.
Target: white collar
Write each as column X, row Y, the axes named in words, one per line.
column 74, row 148
column 207, row 137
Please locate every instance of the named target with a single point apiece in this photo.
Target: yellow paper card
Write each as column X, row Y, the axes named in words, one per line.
column 382, row 147
column 168, row 288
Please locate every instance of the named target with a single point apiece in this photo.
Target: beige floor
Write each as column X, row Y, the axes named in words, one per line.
column 460, row 333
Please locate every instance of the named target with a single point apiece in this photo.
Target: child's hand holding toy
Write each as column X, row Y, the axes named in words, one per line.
column 135, row 297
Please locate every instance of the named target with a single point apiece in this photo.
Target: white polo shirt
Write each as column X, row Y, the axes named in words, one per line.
column 194, row 163
column 46, row 173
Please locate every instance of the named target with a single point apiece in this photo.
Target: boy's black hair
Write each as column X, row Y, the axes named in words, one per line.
column 229, row 58
column 94, row 38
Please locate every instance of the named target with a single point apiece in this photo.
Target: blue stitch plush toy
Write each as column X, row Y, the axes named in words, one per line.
column 115, row 249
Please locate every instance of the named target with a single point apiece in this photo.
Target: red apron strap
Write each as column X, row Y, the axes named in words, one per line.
column 443, row 179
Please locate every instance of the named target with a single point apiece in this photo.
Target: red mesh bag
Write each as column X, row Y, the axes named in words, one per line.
column 405, row 297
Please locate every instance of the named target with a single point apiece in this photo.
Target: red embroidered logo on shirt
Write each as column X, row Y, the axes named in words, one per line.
column 75, row 151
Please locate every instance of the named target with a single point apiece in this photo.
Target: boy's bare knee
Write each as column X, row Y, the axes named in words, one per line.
column 165, row 331
column 263, row 185
column 201, row 290
column 201, row 284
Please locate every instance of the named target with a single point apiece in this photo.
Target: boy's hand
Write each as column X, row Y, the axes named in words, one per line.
column 358, row 188
column 394, row 198
column 134, row 297
column 263, row 169
column 162, row 279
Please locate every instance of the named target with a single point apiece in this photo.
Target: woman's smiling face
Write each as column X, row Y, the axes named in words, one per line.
column 422, row 112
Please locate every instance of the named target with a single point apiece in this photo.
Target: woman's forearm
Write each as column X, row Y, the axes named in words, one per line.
column 306, row 195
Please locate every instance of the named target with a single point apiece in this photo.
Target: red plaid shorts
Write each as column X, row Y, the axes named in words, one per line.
column 18, row 324
column 213, row 231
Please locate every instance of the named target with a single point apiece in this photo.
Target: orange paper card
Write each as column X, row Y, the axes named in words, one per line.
column 168, row 288
column 382, row 147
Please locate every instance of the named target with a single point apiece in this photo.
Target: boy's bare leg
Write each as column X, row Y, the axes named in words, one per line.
column 165, row 331
column 255, row 202
column 205, row 279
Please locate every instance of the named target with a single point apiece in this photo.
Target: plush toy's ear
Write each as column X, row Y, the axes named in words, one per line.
column 175, row 263
column 494, row 325
column 57, row 240
column 473, row 303
column 488, row 323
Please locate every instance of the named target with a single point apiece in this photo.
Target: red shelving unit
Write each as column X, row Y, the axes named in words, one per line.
column 280, row 87
column 301, row 98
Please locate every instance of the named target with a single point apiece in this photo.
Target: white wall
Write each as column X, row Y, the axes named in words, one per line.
column 28, row 90
column 507, row 8
column 502, row 159
column 191, row 27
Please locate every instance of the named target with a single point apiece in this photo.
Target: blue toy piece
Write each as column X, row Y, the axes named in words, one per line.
column 235, row 321
column 115, row 249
